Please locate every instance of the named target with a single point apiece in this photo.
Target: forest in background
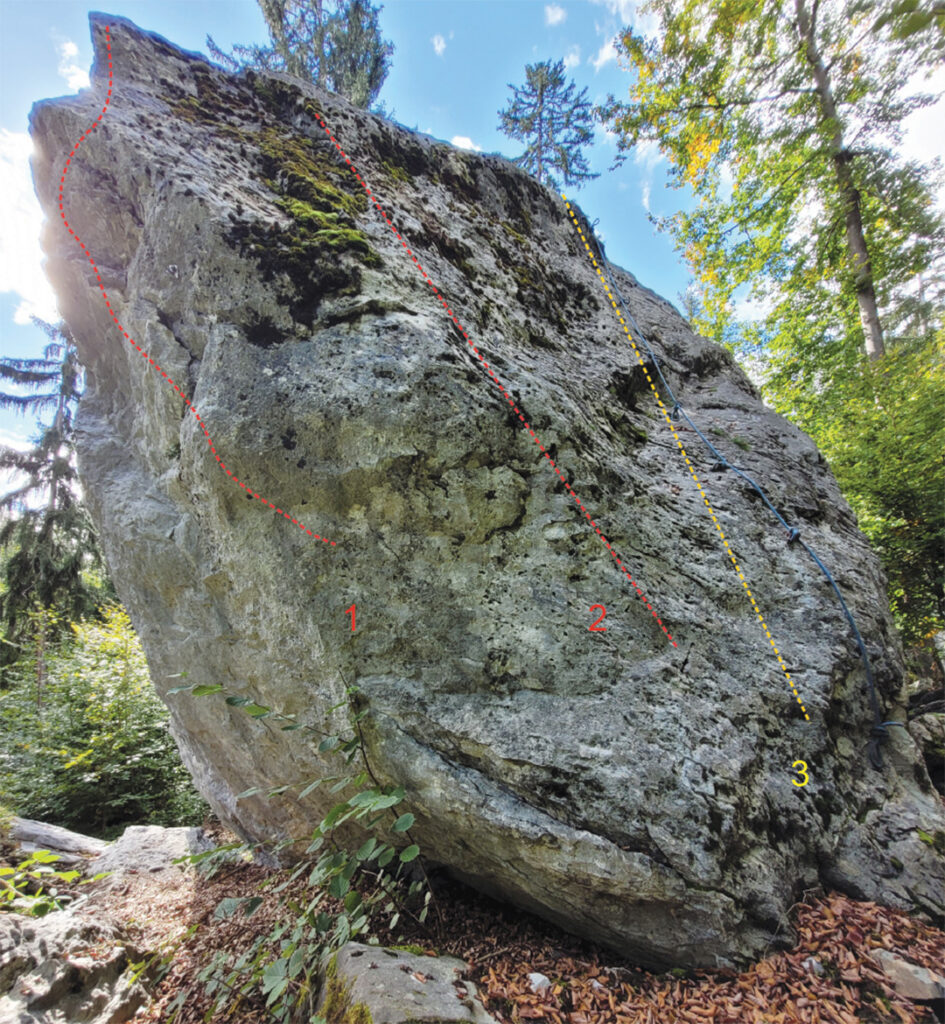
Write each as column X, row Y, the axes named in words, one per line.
column 783, row 140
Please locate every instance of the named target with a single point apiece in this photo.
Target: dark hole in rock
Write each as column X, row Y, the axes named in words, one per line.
column 263, row 333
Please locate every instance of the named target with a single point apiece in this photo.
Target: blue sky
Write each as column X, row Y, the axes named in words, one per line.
column 452, row 63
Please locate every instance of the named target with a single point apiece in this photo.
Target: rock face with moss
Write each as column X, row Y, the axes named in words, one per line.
column 635, row 790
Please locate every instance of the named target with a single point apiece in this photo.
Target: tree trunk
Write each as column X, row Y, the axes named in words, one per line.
column 849, row 194
column 41, row 662
column 541, row 139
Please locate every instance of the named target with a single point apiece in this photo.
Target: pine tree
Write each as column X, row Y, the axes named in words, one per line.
column 358, row 60
column 339, row 49
column 554, row 123
column 47, row 530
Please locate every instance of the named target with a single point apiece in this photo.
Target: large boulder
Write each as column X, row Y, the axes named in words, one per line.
column 638, row 786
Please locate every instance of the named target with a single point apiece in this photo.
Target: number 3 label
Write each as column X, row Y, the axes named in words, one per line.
column 595, row 626
column 800, row 771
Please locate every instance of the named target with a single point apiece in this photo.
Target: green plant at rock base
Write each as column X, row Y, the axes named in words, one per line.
column 30, row 888
column 366, row 878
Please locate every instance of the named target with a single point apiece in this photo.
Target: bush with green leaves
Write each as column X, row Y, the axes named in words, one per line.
column 353, row 885
column 84, row 740
column 33, row 887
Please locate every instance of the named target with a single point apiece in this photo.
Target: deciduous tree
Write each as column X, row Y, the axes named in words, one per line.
column 783, row 121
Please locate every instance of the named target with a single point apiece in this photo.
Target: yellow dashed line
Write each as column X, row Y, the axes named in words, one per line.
column 692, row 472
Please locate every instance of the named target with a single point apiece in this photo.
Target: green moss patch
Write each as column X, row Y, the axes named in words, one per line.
column 396, row 172
column 936, row 839
column 315, row 192
column 295, row 168
column 338, row 1008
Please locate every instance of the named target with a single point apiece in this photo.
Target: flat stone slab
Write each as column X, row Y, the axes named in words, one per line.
column 38, row 835
column 397, row 987
column 144, row 848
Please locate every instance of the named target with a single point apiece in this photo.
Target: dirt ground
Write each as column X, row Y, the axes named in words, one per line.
column 503, row 945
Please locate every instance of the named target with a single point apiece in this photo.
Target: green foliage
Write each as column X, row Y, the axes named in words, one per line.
column 883, row 433
column 918, row 20
column 51, row 554
column 783, row 126
column 30, row 887
column 355, row 875
column 553, row 121
column 785, row 140
column 339, row 49
column 85, row 743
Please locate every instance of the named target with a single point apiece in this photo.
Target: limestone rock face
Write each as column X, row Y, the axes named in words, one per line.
column 631, row 789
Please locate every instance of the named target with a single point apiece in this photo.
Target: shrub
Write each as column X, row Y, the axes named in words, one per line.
column 84, row 740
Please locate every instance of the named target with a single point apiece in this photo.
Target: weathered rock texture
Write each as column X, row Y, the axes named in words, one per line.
column 152, row 848
column 378, row 985
column 67, row 968
column 631, row 791
column 71, row 847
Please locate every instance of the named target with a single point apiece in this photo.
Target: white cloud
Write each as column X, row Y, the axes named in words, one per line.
column 922, row 138
column 439, row 44
column 647, row 155
column 19, row 441
column 76, row 77
column 465, row 142
column 554, row 14
column 624, row 10
column 604, row 135
column 752, row 307
column 11, row 479
column 573, row 57
column 20, row 255
column 626, row 13
column 605, row 55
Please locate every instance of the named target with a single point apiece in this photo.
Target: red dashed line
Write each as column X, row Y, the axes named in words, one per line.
column 131, row 340
column 488, row 370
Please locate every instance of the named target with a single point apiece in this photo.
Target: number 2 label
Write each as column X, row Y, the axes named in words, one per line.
column 595, row 626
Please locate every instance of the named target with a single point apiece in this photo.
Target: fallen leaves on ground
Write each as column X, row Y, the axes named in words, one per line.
column 835, row 930
column 589, row 985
